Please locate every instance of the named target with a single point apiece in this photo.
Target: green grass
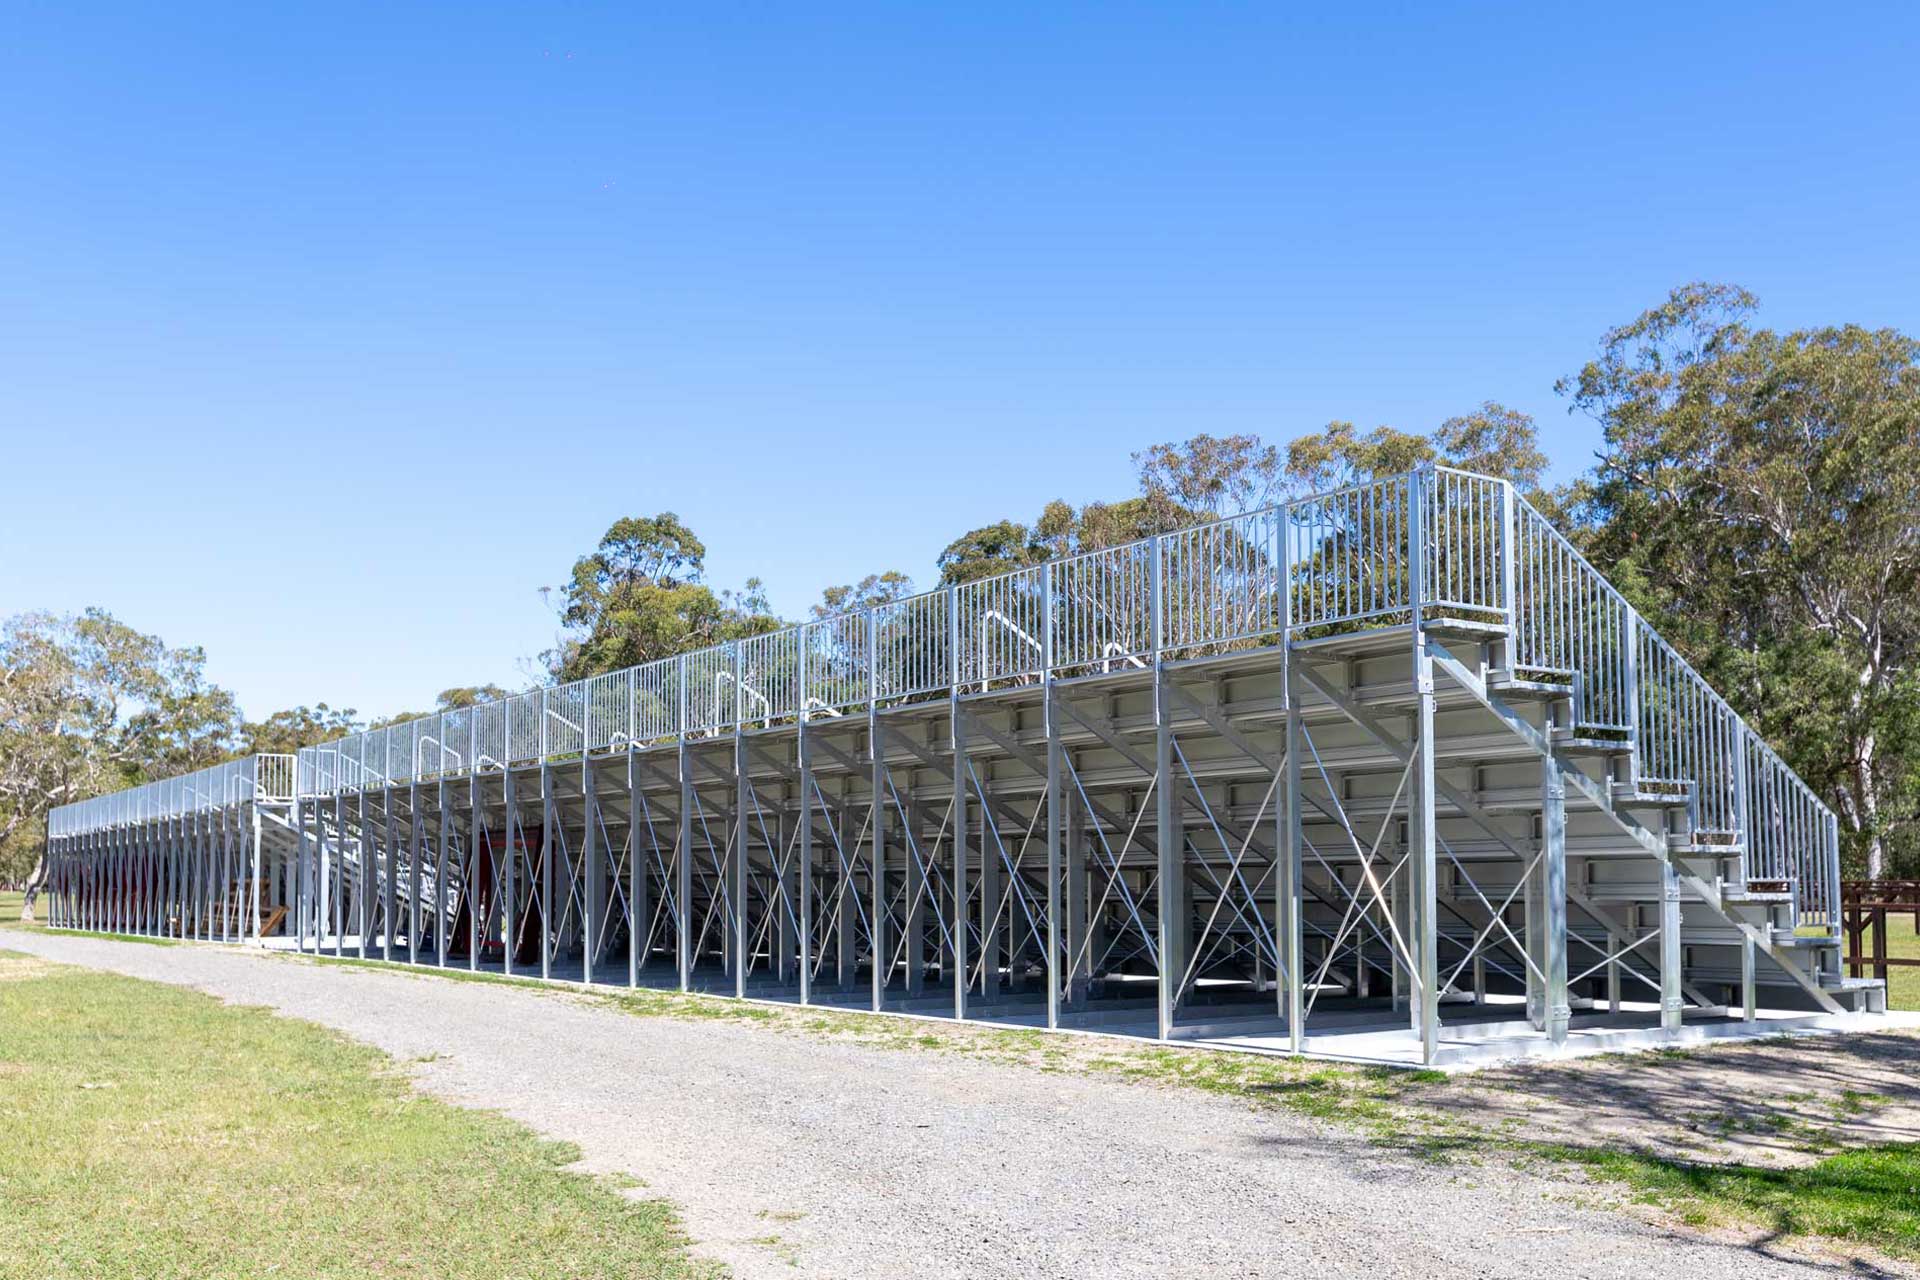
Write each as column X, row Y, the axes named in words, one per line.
column 11, row 904
column 154, row 1132
column 1869, row 1194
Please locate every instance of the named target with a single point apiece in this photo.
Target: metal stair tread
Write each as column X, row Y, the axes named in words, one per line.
column 1572, row 742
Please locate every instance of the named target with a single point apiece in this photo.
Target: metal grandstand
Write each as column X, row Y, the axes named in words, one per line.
column 1390, row 773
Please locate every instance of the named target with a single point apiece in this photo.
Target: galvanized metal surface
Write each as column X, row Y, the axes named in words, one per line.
column 1396, row 752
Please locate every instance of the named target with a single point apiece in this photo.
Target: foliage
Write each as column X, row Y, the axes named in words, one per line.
column 468, row 695
column 1759, row 497
column 88, row 704
column 1206, row 477
column 1060, row 530
column 286, row 732
column 1340, row 456
column 872, row 590
column 639, row 596
column 1492, row 440
column 983, row 552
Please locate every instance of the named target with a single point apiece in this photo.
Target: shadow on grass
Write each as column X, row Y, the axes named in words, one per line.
column 1870, row 1194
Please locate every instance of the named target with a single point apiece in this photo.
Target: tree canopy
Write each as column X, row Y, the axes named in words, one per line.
column 88, row 704
column 640, row 596
column 1759, row 494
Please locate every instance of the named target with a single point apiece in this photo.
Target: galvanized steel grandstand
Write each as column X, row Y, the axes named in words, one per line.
column 1389, row 773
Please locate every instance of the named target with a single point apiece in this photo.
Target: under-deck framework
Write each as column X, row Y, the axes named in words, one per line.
column 1390, row 772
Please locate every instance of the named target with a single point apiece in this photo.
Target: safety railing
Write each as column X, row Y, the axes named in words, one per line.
column 1570, row 622
column 1347, row 554
column 1791, row 835
column 1436, row 542
column 1627, row 681
column 1222, row 587
column 264, row 779
column 1464, row 565
column 273, row 778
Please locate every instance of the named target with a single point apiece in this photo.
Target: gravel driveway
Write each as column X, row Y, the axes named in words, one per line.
column 789, row 1156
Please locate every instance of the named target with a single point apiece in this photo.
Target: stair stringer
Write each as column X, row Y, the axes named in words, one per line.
column 1600, row 797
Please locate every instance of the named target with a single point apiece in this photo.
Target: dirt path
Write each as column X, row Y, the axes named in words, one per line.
column 793, row 1156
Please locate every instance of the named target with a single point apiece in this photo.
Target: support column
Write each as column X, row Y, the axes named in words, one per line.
column 639, row 878
column 547, row 914
column 415, row 876
column 1553, row 837
column 1748, row 991
column 877, row 869
column 302, row 861
column 202, row 874
column 1672, row 1001
column 338, row 868
column 390, row 865
column 479, row 897
column 957, row 889
column 232, row 865
column 1424, row 862
column 129, row 896
column 805, row 896
column 257, row 858
column 683, row 873
column 116, row 889
column 1401, row 891
column 1055, row 833
column 595, row 894
column 443, row 828
column 1614, row 994
column 123, row 880
column 738, row 921
column 1291, row 907
column 508, row 857
column 1171, row 849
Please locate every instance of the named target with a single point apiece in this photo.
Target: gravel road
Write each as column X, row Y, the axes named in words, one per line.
column 789, row 1156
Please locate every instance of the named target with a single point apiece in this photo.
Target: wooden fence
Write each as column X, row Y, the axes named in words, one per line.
column 1864, row 908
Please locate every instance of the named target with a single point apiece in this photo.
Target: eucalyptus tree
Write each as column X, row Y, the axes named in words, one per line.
column 640, row 595
column 88, row 704
column 1761, row 492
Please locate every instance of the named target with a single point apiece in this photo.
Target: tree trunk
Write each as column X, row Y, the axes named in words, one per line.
column 1867, row 807
column 34, row 884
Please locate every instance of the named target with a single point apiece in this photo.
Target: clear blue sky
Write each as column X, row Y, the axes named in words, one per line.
column 330, row 333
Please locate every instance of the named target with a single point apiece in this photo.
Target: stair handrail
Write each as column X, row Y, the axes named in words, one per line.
column 1816, row 894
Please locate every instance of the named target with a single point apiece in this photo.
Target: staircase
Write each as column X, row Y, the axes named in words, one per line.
column 1561, row 657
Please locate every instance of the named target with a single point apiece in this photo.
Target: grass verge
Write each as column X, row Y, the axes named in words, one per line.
column 155, row 1132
